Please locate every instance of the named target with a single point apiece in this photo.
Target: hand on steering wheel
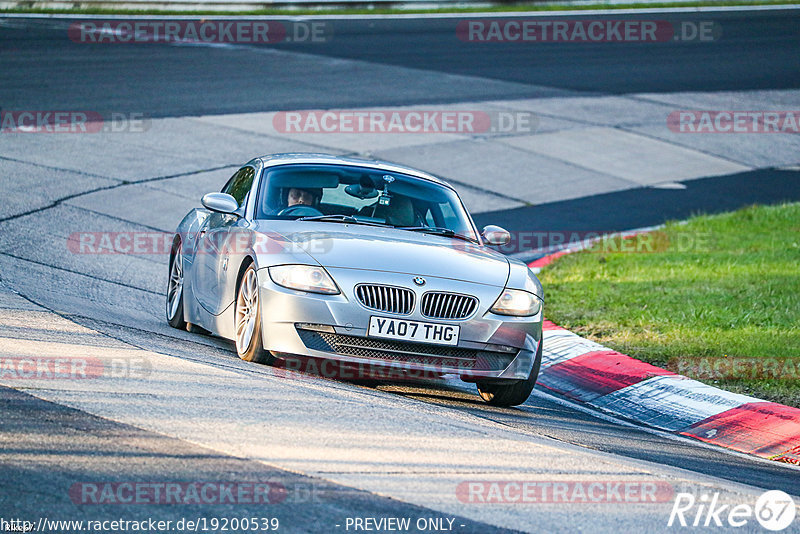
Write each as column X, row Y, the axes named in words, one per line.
column 301, row 210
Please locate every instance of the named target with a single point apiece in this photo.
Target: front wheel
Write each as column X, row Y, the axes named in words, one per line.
column 249, row 345
column 175, row 289
column 513, row 393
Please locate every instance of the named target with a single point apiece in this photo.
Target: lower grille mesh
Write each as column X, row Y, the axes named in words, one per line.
column 398, row 351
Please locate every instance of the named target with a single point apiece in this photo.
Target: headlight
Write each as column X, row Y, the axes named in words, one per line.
column 303, row 278
column 517, row 302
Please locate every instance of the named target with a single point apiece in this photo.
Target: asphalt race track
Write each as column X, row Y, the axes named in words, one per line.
column 183, row 408
column 757, row 51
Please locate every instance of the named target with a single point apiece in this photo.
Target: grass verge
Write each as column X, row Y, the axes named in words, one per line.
column 396, row 11
column 716, row 299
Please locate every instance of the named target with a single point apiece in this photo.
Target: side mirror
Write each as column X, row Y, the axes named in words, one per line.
column 220, row 202
column 494, row 235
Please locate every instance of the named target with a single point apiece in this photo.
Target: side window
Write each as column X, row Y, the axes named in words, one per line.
column 239, row 184
column 429, row 217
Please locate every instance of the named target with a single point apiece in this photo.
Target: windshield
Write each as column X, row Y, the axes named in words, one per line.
column 361, row 195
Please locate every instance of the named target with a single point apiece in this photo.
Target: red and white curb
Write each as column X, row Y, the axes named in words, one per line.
column 589, row 373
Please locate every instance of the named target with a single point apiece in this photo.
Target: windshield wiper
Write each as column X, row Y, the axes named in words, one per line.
column 437, row 230
column 340, row 218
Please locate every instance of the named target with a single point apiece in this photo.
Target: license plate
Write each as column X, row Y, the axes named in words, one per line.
column 386, row 327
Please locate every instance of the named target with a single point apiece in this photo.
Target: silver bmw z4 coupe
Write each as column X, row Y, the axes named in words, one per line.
column 363, row 263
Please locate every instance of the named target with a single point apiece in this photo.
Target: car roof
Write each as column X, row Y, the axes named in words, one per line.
column 271, row 160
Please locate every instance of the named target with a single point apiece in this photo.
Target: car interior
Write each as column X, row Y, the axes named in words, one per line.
column 369, row 197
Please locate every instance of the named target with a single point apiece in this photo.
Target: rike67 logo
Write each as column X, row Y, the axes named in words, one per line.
column 774, row 510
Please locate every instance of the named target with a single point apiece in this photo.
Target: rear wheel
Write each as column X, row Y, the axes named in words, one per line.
column 512, row 393
column 249, row 345
column 175, row 289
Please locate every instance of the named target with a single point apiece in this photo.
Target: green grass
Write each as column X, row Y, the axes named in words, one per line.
column 389, row 11
column 715, row 290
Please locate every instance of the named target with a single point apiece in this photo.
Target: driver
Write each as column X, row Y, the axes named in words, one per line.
column 301, row 197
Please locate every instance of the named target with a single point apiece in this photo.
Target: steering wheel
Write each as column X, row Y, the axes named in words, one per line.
column 301, row 210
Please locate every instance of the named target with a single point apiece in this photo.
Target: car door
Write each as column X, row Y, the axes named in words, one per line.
column 215, row 247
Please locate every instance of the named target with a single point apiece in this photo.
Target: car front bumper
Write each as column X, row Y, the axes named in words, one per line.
column 334, row 327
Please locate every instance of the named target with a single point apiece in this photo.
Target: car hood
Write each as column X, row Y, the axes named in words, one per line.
column 348, row 246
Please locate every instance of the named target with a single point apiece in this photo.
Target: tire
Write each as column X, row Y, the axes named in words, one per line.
column 515, row 392
column 174, row 307
column 247, row 320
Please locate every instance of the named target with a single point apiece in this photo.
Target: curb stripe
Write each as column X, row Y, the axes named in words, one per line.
column 550, row 325
column 596, row 374
column 547, row 260
column 588, row 372
column 764, row 429
column 562, row 345
column 670, row 402
column 789, row 457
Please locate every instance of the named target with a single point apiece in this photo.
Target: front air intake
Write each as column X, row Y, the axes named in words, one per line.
column 440, row 305
column 389, row 299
